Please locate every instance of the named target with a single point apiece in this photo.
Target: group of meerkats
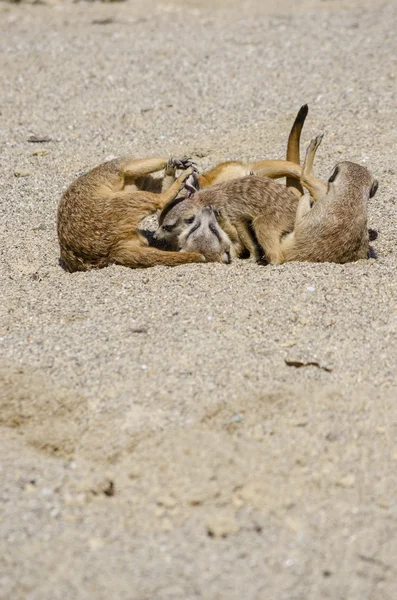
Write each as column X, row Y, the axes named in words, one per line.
column 234, row 210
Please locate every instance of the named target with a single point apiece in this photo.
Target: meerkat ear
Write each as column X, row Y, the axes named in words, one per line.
column 333, row 175
column 373, row 189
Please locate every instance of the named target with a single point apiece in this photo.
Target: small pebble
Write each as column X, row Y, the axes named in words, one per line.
column 22, row 173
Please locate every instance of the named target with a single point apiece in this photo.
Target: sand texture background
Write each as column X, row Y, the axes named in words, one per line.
column 154, row 441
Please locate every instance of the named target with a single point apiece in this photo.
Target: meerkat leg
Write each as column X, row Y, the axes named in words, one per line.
column 287, row 248
column 170, row 170
column 143, row 166
column 275, row 169
column 175, row 188
column 127, row 209
column 231, row 232
column 247, row 240
column 269, row 241
column 130, row 254
column 316, row 187
column 169, row 175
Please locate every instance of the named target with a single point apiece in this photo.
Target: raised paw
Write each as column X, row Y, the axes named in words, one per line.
column 192, row 184
column 183, row 163
column 314, row 144
column 307, row 169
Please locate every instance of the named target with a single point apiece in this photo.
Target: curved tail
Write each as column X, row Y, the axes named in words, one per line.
column 293, row 153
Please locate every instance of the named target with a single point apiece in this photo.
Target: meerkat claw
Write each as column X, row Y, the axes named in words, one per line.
column 183, row 163
column 317, row 141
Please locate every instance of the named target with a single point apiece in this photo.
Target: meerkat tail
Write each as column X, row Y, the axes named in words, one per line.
column 293, row 150
column 274, row 169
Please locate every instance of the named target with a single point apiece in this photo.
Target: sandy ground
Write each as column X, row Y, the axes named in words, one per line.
column 154, row 442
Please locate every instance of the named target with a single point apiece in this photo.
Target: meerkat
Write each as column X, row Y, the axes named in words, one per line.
column 99, row 214
column 275, row 169
column 263, row 206
column 334, row 229
column 247, row 203
column 207, row 236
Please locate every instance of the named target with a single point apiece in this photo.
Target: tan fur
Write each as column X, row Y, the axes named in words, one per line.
column 99, row 215
column 275, row 169
column 246, row 206
column 335, row 228
column 257, row 204
column 226, row 171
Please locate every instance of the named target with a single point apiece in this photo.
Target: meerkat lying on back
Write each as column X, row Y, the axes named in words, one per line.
column 335, row 228
column 99, row 215
column 275, row 169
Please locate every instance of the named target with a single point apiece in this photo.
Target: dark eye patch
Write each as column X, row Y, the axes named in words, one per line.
column 193, row 229
column 168, row 227
column 214, row 230
column 334, row 174
column 189, row 220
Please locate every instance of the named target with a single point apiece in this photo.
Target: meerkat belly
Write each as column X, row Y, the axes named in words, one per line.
column 333, row 240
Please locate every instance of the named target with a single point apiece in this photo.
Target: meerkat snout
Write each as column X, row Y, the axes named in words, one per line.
column 206, row 236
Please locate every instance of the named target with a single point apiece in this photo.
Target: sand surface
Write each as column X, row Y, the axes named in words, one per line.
column 154, row 442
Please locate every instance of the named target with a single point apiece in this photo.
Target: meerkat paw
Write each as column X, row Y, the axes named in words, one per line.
column 201, row 259
column 192, row 184
column 183, row 163
column 314, row 144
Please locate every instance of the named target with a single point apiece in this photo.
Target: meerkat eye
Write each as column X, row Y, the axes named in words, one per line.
column 334, row 174
column 189, row 220
column 373, row 189
column 168, row 227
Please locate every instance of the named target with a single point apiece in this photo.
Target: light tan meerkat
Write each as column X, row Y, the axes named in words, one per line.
column 207, row 236
column 99, row 215
column 245, row 206
column 263, row 206
column 275, row 169
column 334, row 229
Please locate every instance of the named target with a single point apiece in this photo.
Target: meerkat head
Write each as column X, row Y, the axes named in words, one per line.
column 347, row 174
column 175, row 217
column 205, row 235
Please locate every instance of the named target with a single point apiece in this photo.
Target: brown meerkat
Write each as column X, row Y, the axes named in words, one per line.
column 99, row 214
column 260, row 205
column 334, row 229
column 247, row 203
